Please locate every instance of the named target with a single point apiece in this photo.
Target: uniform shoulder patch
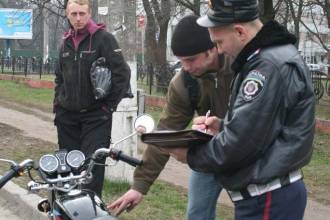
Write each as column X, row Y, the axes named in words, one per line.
column 253, row 84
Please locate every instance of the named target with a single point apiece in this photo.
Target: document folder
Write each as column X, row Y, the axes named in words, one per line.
column 174, row 139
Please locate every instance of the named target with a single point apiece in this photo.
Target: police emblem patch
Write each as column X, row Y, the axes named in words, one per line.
column 253, row 85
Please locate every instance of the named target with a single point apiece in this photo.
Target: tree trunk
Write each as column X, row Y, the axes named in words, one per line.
column 150, row 41
column 197, row 5
column 266, row 10
column 161, row 62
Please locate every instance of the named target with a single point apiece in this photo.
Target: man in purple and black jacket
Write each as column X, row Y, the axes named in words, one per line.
column 82, row 122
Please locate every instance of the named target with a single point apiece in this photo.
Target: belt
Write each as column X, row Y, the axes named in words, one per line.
column 253, row 190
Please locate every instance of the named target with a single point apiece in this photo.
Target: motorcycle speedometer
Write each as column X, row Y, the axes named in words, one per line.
column 48, row 163
column 75, row 158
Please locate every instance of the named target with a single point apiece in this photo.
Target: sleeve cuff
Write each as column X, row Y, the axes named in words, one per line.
column 141, row 187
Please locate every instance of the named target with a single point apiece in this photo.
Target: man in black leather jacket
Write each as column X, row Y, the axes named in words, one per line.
column 84, row 122
column 268, row 131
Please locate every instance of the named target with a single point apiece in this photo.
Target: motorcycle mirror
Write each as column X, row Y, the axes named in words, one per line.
column 144, row 124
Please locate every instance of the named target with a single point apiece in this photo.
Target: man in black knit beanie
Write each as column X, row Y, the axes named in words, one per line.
column 202, row 85
column 189, row 38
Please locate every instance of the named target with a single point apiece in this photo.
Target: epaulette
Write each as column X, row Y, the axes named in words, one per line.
column 255, row 53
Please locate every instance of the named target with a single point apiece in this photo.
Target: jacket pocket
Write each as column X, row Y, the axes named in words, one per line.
column 88, row 57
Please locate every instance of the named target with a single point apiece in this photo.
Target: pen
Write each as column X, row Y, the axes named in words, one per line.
column 206, row 116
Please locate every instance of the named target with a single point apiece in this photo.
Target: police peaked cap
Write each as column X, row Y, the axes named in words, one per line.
column 224, row 12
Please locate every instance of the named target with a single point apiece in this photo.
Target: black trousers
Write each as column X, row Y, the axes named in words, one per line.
column 85, row 131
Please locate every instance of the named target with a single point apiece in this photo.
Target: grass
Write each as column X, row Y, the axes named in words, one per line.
column 323, row 111
column 165, row 201
column 317, row 173
column 40, row 98
column 155, row 112
column 162, row 202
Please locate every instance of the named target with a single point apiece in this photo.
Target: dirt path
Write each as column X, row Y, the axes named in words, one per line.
column 174, row 172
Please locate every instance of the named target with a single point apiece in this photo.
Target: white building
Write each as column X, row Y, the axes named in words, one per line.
column 310, row 46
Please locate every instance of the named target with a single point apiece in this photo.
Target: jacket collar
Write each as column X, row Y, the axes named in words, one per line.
column 90, row 28
column 78, row 36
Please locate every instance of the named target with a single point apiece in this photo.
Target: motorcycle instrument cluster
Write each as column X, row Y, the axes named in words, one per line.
column 48, row 163
column 62, row 161
column 75, row 158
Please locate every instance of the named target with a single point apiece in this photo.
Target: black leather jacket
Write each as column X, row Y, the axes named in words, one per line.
column 269, row 128
column 73, row 90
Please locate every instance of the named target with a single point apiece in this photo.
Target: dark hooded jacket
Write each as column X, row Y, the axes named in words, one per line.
column 269, row 128
column 73, row 90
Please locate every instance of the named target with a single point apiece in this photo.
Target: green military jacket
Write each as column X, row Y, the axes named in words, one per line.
column 213, row 95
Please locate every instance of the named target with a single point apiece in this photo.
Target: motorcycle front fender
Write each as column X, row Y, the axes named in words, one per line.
column 83, row 207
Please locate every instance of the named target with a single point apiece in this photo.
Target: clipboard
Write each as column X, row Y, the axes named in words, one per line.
column 175, row 139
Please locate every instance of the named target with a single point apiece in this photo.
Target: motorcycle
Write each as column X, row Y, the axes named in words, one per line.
column 63, row 173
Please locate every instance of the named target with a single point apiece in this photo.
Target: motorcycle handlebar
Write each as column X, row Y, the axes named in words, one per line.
column 8, row 176
column 113, row 153
column 119, row 155
column 15, row 171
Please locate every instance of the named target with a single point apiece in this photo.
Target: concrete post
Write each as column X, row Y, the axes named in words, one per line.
column 121, row 13
column 45, row 51
column 122, row 126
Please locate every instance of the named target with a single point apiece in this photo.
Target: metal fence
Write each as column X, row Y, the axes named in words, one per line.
column 154, row 80
column 321, row 84
column 27, row 65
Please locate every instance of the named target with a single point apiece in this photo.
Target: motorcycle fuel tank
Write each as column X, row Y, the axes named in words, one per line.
column 83, row 207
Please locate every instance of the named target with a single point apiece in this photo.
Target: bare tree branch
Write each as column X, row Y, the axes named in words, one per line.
column 315, row 33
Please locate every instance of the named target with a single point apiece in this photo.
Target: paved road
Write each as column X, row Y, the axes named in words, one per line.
column 5, row 213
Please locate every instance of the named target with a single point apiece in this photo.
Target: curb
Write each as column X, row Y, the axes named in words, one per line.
column 33, row 83
column 23, row 204
column 323, row 125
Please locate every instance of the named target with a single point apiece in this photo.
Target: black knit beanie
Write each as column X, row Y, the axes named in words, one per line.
column 189, row 38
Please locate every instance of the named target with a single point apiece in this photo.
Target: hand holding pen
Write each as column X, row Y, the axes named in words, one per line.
column 207, row 123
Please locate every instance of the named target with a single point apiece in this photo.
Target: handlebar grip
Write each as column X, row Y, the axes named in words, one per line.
column 8, row 176
column 130, row 160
